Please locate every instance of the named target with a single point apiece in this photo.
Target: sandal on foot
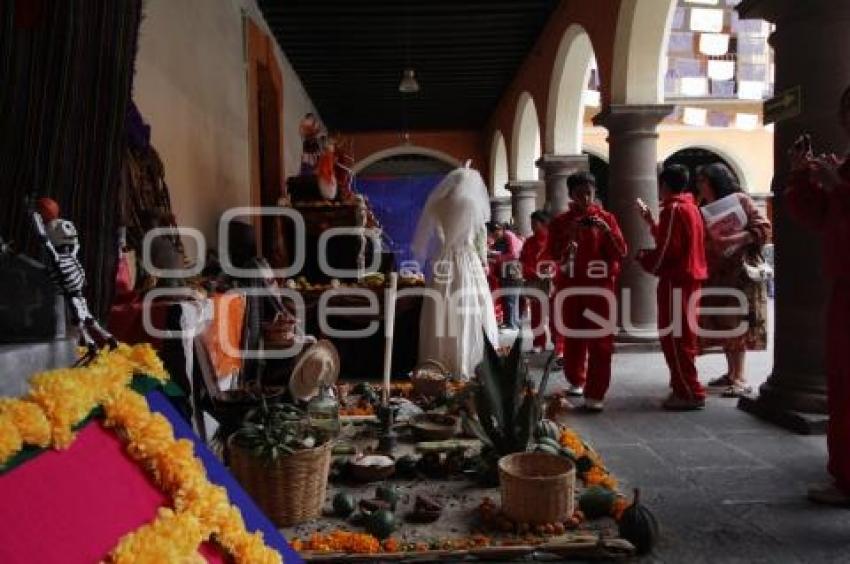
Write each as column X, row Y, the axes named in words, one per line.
column 736, row 391
column 721, row 382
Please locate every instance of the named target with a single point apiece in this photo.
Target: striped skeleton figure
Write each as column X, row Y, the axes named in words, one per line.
column 62, row 245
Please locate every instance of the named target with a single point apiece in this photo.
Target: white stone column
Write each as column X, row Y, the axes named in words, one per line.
column 524, row 203
column 556, row 169
column 500, row 209
column 633, row 173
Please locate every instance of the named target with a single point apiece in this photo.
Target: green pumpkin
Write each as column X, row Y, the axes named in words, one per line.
column 639, row 526
column 584, row 464
column 550, row 442
column 381, row 524
column 344, row 504
column 547, row 428
column 568, row 453
column 548, row 449
column 596, row 502
column 406, row 466
column 388, row 493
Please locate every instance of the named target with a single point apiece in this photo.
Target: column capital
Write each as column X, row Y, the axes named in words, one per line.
column 787, row 11
column 633, row 118
column 524, row 188
column 562, row 164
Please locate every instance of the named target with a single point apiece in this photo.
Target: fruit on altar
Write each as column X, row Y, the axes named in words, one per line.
column 381, row 523
column 406, row 466
column 344, row 504
column 388, row 493
column 596, row 502
column 639, row 526
column 584, row 464
column 548, row 429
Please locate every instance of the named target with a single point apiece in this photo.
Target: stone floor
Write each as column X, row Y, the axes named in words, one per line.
column 725, row 486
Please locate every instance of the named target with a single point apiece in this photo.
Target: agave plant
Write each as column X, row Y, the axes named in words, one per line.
column 272, row 431
column 508, row 408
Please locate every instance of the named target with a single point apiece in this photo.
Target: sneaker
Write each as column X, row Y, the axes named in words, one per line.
column 721, row 382
column 575, row 391
column 593, row 406
column 828, row 494
column 675, row 403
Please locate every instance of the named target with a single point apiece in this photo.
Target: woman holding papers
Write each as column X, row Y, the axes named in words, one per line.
column 735, row 233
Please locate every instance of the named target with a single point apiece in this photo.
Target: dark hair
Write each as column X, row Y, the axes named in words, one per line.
column 675, row 177
column 720, row 178
column 242, row 243
column 492, row 226
column 580, row 179
column 541, row 215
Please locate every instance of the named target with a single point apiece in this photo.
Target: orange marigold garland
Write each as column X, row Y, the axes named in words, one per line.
column 60, row 399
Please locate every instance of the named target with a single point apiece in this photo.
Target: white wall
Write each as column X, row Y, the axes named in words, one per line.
column 191, row 87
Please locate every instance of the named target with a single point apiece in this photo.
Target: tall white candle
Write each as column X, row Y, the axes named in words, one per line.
column 389, row 324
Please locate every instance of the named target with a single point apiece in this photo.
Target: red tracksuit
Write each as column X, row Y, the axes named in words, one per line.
column 829, row 213
column 679, row 262
column 534, row 252
column 595, row 265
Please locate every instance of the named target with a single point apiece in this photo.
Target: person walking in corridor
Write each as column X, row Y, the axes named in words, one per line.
column 819, row 196
column 678, row 260
column 538, row 273
column 587, row 243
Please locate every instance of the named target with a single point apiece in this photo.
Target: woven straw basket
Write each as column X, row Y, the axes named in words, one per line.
column 290, row 490
column 428, row 387
column 279, row 333
column 537, row 487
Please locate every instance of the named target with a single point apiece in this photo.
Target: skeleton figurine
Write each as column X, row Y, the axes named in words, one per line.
column 61, row 244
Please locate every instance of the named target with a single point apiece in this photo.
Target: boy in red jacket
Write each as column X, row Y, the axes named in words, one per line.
column 587, row 243
column 536, row 265
column 819, row 197
column 678, row 260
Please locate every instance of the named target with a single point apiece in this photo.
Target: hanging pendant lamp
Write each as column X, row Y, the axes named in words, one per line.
column 408, row 84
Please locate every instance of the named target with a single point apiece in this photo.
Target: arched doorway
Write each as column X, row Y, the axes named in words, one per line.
column 566, row 104
column 695, row 157
column 397, row 187
column 525, row 142
column 499, row 175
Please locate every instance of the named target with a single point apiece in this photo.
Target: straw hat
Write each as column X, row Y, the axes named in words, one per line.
column 315, row 366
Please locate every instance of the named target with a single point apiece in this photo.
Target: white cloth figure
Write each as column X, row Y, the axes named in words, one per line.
column 450, row 242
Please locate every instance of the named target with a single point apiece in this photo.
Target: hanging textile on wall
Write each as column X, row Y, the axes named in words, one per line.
column 143, row 192
column 397, row 202
column 67, row 70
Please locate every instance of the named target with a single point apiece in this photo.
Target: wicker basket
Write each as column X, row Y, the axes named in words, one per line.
column 430, row 387
column 279, row 333
column 537, row 487
column 290, row 490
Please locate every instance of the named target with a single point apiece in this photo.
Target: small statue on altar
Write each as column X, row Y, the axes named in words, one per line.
column 344, row 169
column 62, row 245
column 326, row 172
column 312, row 135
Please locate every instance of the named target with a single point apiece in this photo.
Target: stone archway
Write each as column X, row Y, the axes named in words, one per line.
column 640, row 51
column 499, row 174
column 697, row 155
column 565, row 107
column 404, row 150
column 525, row 141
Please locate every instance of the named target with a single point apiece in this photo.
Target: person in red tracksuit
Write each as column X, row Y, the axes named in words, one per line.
column 536, row 266
column 819, row 197
column 587, row 243
column 678, row 260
